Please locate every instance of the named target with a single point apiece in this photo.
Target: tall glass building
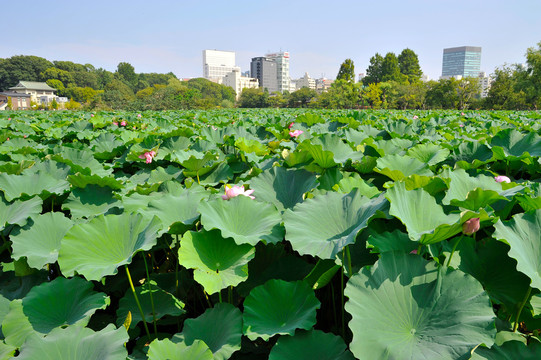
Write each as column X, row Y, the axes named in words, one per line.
column 462, row 61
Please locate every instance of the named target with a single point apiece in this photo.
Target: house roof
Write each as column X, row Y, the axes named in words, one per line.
column 32, row 85
column 14, row 94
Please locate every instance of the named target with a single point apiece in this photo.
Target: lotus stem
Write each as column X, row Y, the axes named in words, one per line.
column 151, row 297
column 515, row 327
column 176, row 266
column 197, row 174
column 220, row 296
column 453, row 251
column 348, row 257
column 342, row 300
column 230, row 294
column 137, row 301
column 333, row 305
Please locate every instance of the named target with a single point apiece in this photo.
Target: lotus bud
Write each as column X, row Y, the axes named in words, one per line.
column 502, row 178
column 471, row 226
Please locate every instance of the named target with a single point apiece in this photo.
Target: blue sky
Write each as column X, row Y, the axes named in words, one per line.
column 162, row 35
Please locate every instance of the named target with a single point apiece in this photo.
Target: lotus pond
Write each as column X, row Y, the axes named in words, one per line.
column 270, row 234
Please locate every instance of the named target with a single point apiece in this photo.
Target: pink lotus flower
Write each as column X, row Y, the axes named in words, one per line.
column 461, row 125
column 91, row 115
column 471, row 226
column 115, row 123
column 462, row 114
column 415, row 117
column 290, row 125
column 295, row 133
column 7, row 139
column 9, row 118
column 123, row 123
column 233, row 191
column 502, row 178
column 413, row 252
column 149, row 155
column 139, row 115
column 25, row 136
column 214, row 127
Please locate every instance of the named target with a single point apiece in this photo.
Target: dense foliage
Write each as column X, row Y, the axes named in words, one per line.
column 270, row 234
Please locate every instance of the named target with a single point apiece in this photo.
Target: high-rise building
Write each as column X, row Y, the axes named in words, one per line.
column 265, row 70
column 239, row 82
column 217, row 64
column 282, row 69
column 464, row 61
column 305, row 81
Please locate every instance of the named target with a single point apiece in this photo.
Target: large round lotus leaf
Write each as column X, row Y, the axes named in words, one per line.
column 164, row 304
column 218, row 262
column 167, row 350
column 424, row 218
column 510, row 350
column 523, row 234
column 245, row 220
column 511, row 142
column 430, row 154
column 90, row 201
column 398, row 167
column 15, row 325
column 324, row 225
column 4, row 309
column 177, row 208
column 41, row 242
column 282, row 187
column 406, row 308
column 62, row 302
column 219, row 327
column 77, row 343
column 18, row 212
column 82, row 161
column 97, row 248
column 310, row 345
column 6, row 351
column 462, row 184
column 279, row 307
column 30, row 184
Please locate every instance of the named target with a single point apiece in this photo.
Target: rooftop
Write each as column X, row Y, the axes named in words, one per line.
column 32, row 85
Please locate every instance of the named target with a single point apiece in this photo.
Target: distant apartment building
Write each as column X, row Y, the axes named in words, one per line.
column 323, row 84
column 238, row 82
column 272, row 71
column 282, row 69
column 265, row 71
column 462, row 61
column 484, row 82
column 217, row 64
column 305, row 81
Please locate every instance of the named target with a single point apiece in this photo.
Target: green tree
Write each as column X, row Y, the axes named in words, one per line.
column 347, row 71
column 533, row 60
column 21, row 68
column 372, row 95
column 57, row 84
column 503, row 93
column 442, row 94
column 374, row 73
column 127, row 73
column 54, row 104
column 253, row 98
column 467, row 89
column 390, row 69
column 408, row 62
column 70, row 66
column 53, row 73
column 301, row 97
column 341, row 95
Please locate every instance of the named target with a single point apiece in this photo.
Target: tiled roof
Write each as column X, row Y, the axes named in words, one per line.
column 14, row 94
column 32, row 85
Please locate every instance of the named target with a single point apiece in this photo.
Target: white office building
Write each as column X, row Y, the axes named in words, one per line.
column 238, row 82
column 217, row 64
column 282, row 69
column 306, row 81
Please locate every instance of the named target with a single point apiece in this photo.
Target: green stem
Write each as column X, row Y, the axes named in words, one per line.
column 207, row 297
column 348, row 256
column 515, row 327
column 453, row 251
column 151, row 297
column 334, row 305
column 342, row 301
column 230, row 294
column 220, row 296
column 197, row 174
column 176, row 266
column 137, row 301
column 419, row 249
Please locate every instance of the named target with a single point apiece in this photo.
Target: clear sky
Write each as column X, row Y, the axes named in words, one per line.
column 165, row 35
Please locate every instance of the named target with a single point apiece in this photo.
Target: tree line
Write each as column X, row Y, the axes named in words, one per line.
column 391, row 81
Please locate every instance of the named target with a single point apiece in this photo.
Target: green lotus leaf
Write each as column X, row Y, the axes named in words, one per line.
column 398, row 167
column 462, row 184
column 97, row 248
column 219, row 327
column 81, row 181
column 221, row 173
column 193, row 160
column 77, row 343
column 472, row 154
column 510, row 350
column 321, row 274
column 245, row 220
column 391, row 241
column 425, row 220
column 166, row 349
column 16, row 327
column 309, row 119
column 41, row 242
column 350, row 183
column 324, row 225
column 282, row 187
column 90, row 201
column 30, row 184
column 522, row 234
column 251, row 146
column 279, row 307
column 4, row 310
column 176, row 211
column 535, row 303
column 164, row 304
column 514, row 143
column 430, row 154
column 62, row 302
column 323, row 158
column 407, row 308
column 106, row 146
column 6, row 351
column 503, row 283
column 309, row 345
column 335, row 144
column 81, row 161
column 217, row 262
column 18, row 211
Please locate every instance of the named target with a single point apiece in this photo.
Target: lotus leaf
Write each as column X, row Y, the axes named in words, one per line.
column 309, row 345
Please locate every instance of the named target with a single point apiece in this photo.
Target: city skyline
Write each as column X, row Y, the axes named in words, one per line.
column 170, row 36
